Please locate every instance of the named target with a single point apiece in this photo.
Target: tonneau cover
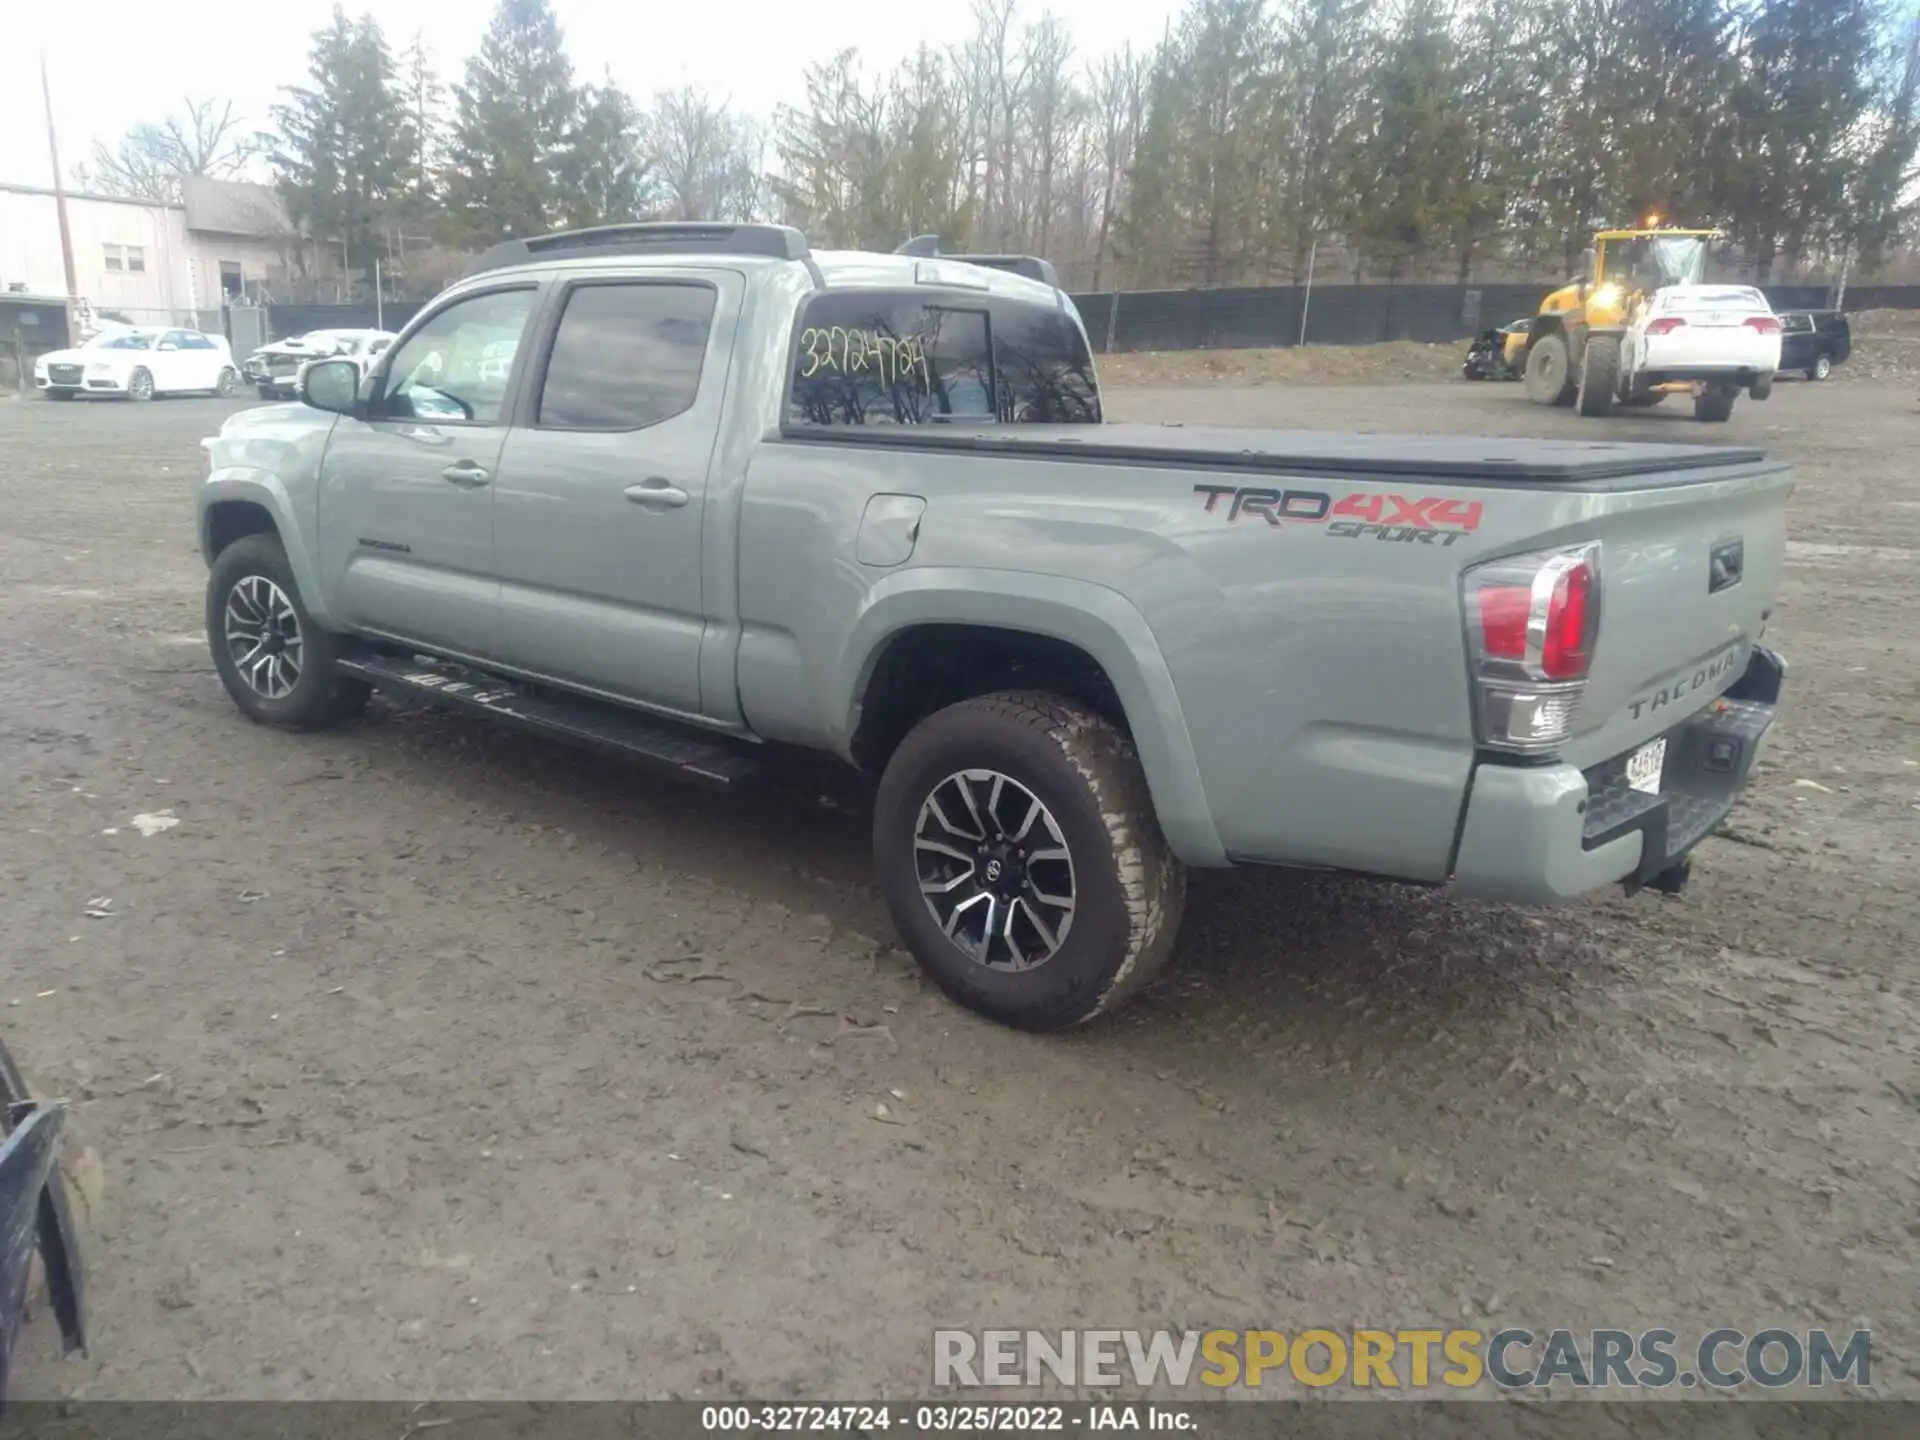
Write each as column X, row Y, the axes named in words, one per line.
column 1491, row 460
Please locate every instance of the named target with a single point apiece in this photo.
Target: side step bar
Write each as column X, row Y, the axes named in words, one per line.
column 568, row 718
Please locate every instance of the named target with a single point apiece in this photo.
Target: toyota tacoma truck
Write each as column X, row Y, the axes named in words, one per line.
column 693, row 493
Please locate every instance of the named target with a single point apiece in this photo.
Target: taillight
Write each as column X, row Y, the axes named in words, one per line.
column 1666, row 325
column 1765, row 324
column 1532, row 621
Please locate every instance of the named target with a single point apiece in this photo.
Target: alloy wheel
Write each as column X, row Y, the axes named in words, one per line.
column 263, row 638
column 994, row 870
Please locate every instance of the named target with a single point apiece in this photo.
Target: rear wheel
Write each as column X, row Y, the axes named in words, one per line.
column 1761, row 388
column 277, row 665
column 1715, row 404
column 1821, row 368
column 1020, row 856
column 1599, row 376
column 1550, row 378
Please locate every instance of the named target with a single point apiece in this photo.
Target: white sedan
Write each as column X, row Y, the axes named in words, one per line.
column 1721, row 339
column 139, row 363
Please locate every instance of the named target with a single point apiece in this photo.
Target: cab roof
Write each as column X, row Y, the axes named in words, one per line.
column 674, row 243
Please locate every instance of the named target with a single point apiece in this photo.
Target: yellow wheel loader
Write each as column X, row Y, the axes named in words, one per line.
column 1641, row 323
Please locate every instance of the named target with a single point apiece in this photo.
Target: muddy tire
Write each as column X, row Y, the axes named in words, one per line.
column 1550, row 379
column 1599, row 376
column 277, row 664
column 1019, row 853
column 1714, row 405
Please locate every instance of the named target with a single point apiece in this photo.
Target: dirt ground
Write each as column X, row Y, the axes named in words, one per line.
column 425, row 1059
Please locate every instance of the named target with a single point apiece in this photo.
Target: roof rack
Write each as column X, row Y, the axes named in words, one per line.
column 927, row 247
column 776, row 242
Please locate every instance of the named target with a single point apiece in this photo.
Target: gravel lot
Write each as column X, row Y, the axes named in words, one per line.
column 425, row 1059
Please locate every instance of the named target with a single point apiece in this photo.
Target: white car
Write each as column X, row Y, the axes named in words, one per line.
column 139, row 363
column 274, row 370
column 1721, row 339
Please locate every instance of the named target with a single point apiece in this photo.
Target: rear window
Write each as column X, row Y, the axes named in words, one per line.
column 1719, row 297
column 878, row 358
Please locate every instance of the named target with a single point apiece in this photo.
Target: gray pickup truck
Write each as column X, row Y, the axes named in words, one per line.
column 691, row 493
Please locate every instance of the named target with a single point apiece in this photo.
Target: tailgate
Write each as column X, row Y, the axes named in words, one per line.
column 1689, row 575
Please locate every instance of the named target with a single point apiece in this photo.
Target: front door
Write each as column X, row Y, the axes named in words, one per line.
column 603, row 487
column 406, row 496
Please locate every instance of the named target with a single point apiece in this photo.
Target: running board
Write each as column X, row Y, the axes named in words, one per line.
column 576, row 720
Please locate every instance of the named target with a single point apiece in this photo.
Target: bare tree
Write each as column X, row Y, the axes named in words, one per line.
column 1119, row 99
column 706, row 161
column 204, row 138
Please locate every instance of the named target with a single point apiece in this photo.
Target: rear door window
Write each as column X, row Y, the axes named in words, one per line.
column 627, row 355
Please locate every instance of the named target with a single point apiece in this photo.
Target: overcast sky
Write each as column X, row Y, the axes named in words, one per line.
column 116, row 62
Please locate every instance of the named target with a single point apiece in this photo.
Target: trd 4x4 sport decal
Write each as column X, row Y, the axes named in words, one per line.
column 1416, row 519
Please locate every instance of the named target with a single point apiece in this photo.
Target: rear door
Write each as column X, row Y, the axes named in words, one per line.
column 406, row 496
column 603, row 487
column 175, row 366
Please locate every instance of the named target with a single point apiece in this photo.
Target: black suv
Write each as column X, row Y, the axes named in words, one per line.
column 1814, row 341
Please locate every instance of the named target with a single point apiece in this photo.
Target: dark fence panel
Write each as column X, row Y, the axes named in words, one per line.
column 287, row 320
column 1256, row 318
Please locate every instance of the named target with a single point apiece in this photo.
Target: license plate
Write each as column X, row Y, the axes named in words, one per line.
column 1644, row 766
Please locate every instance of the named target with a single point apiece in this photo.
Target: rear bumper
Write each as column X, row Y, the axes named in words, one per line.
column 1540, row 835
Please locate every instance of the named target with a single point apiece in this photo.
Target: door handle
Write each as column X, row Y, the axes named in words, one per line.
column 654, row 493
column 466, row 472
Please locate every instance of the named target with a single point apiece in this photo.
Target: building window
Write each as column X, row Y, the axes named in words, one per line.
column 136, row 260
column 116, row 257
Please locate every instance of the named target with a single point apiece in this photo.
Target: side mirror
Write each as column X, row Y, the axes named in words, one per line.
column 331, row 385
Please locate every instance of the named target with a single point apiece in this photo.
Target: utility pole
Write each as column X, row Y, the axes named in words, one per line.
column 60, row 209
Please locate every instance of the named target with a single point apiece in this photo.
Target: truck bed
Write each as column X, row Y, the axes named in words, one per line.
column 1446, row 459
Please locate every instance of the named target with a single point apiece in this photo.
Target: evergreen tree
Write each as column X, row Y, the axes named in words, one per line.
column 513, row 115
column 341, row 139
column 422, row 96
column 603, row 176
column 1412, row 145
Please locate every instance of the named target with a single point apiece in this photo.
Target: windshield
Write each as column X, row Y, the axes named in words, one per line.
column 119, row 340
column 1652, row 261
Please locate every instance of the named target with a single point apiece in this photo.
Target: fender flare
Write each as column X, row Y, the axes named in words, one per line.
column 269, row 492
column 1097, row 620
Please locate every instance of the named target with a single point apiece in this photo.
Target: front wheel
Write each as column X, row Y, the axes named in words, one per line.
column 1549, row 377
column 277, row 665
column 1022, row 862
column 140, row 385
column 228, row 383
column 1599, row 376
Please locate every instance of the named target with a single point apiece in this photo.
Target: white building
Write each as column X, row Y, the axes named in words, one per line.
column 150, row 263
